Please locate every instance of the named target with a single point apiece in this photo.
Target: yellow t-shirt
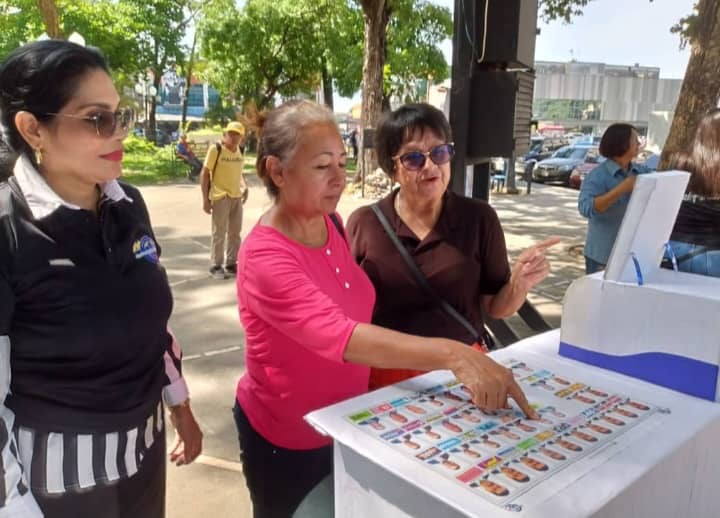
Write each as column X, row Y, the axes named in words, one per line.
column 227, row 180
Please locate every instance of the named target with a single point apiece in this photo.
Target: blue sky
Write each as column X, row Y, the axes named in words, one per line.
column 619, row 32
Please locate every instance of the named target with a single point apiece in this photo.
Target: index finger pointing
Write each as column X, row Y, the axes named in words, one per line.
column 547, row 243
column 517, row 394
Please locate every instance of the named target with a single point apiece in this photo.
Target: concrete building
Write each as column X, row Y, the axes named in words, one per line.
column 588, row 97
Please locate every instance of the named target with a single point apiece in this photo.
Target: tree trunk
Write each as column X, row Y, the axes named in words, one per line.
column 188, row 81
column 49, row 14
column 327, row 87
column 701, row 87
column 157, row 76
column 152, row 100
column 376, row 14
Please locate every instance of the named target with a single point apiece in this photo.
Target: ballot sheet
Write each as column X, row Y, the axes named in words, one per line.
column 501, row 455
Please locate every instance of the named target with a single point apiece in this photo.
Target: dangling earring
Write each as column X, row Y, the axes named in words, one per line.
column 38, row 156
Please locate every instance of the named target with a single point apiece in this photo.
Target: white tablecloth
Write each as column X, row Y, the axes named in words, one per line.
column 663, row 468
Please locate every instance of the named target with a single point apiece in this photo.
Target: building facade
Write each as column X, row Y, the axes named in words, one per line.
column 588, row 97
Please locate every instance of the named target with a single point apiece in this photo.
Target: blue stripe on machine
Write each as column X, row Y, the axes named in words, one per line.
column 676, row 372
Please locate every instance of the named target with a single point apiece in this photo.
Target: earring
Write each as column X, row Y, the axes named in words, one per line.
column 38, row 156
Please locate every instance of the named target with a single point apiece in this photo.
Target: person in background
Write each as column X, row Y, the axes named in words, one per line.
column 305, row 307
column 456, row 242
column 224, row 191
column 184, row 152
column 695, row 239
column 86, row 356
column 605, row 193
column 353, row 139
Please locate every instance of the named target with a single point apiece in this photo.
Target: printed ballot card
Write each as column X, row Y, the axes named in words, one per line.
column 499, row 456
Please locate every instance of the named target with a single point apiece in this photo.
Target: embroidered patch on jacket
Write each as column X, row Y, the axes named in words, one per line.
column 144, row 248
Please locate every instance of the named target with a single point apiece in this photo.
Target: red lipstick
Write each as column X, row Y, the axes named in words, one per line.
column 115, row 156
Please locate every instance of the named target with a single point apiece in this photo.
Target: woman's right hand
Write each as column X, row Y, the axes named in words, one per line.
column 207, row 206
column 490, row 383
column 628, row 184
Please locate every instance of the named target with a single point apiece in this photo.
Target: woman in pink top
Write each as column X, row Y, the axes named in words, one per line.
column 306, row 306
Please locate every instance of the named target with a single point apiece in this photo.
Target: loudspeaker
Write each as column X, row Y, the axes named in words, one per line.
column 506, row 30
column 500, row 113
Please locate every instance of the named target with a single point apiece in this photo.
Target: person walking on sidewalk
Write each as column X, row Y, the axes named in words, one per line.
column 224, row 191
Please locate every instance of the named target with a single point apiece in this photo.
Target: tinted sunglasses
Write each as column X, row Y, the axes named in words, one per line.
column 106, row 122
column 415, row 160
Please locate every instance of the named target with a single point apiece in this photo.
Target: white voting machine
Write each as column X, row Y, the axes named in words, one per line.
column 639, row 319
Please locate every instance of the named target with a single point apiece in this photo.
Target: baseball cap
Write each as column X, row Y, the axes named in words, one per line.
column 235, row 127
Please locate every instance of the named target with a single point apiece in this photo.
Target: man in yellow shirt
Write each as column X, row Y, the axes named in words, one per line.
column 224, row 190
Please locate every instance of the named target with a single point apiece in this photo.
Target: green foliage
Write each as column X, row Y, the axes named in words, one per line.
column 219, row 114
column 272, row 48
column 689, row 27
column 106, row 25
column 134, row 35
column 265, row 49
column 159, row 27
column 23, row 25
column 415, row 30
column 561, row 9
column 344, row 44
column 414, row 33
column 150, row 165
column 133, row 144
column 559, row 109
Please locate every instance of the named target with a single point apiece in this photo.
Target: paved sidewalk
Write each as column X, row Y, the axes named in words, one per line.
column 206, row 323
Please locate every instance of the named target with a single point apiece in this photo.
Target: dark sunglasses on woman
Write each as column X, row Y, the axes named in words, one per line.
column 106, row 122
column 439, row 155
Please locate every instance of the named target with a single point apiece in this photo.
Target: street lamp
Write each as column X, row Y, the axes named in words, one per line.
column 145, row 90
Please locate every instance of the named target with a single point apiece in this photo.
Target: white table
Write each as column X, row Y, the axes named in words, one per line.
column 664, row 467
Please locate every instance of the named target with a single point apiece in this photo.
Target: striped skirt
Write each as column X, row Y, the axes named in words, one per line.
column 109, row 475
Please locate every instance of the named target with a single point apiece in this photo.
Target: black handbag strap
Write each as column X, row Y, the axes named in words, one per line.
column 335, row 221
column 420, row 278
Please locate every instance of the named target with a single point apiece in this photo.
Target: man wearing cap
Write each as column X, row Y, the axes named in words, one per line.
column 224, row 190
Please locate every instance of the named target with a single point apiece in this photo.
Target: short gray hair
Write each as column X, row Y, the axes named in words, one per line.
column 279, row 132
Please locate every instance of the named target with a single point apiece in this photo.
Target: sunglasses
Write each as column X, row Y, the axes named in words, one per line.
column 106, row 122
column 415, row 160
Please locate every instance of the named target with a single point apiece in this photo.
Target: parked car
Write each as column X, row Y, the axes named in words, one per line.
column 592, row 160
column 558, row 167
column 540, row 149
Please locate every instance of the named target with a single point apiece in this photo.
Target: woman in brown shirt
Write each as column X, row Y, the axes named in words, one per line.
column 456, row 242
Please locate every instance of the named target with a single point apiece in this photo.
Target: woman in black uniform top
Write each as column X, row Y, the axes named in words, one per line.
column 86, row 357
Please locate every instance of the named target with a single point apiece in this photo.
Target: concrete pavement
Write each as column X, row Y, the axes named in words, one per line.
column 206, row 323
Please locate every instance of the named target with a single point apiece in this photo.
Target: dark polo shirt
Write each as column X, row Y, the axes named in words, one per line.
column 463, row 257
column 85, row 305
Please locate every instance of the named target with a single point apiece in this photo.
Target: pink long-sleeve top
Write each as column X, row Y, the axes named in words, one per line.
column 298, row 306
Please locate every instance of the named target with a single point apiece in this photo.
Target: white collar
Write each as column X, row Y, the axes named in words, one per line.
column 40, row 197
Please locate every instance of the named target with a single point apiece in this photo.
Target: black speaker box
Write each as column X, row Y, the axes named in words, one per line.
column 500, row 113
column 510, row 31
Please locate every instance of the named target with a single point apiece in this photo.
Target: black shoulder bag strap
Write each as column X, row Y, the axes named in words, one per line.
column 218, row 148
column 333, row 217
column 422, row 281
